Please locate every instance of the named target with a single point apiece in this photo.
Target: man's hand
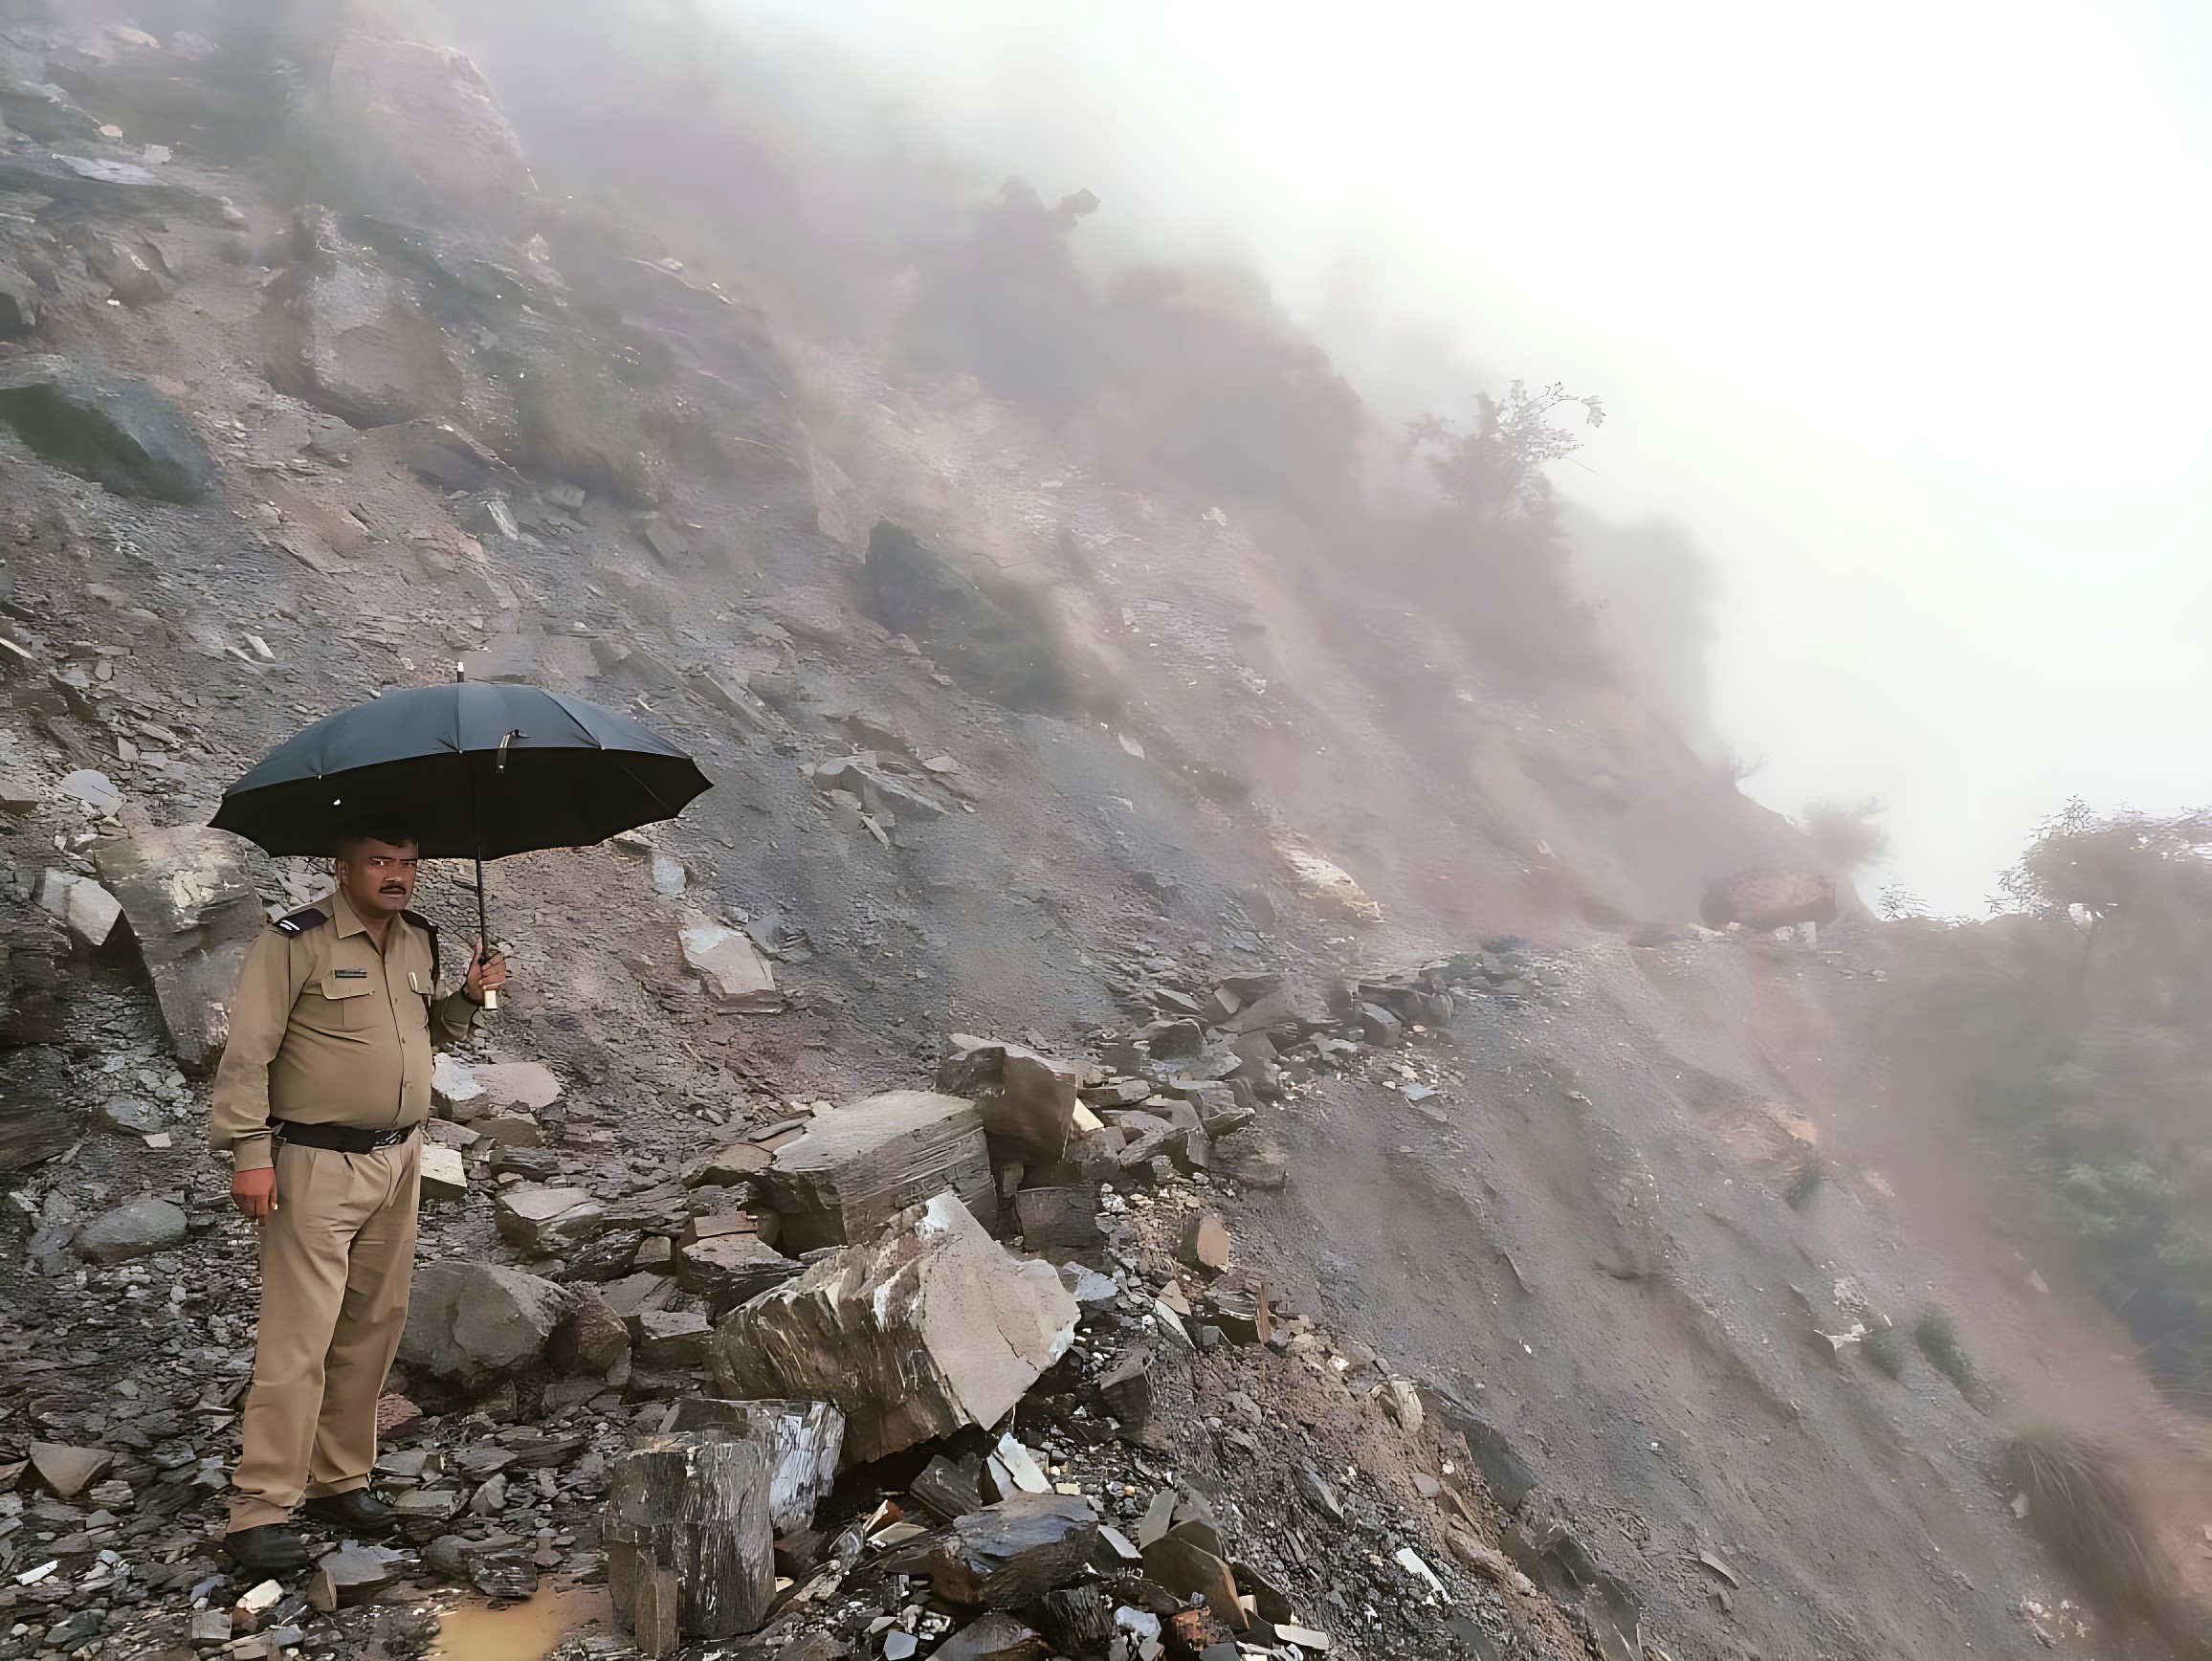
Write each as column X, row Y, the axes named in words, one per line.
column 487, row 973
column 255, row 1193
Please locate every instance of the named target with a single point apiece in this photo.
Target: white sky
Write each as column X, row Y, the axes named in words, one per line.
column 1904, row 311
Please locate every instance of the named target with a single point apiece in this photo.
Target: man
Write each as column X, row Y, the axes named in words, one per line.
column 321, row 1097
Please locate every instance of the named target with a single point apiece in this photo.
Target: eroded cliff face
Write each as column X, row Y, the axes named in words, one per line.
column 1008, row 736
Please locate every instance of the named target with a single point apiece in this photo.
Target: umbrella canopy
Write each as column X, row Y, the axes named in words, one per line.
column 479, row 769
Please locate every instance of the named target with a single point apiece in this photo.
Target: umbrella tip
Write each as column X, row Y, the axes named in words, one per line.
column 460, row 672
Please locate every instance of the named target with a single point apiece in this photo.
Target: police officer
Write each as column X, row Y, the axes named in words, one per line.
column 320, row 1098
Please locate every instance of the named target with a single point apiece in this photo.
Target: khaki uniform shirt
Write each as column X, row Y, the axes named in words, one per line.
column 325, row 1030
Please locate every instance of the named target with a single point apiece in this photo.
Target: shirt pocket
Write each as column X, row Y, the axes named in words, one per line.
column 338, row 1003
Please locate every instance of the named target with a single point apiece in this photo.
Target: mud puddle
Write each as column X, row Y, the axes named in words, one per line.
column 524, row 1631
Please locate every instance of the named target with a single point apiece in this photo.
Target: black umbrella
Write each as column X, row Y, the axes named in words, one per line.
column 479, row 768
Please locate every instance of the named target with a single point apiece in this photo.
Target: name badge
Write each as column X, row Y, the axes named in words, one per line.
column 350, row 974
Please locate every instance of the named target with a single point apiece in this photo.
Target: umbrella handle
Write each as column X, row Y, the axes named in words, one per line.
column 483, row 916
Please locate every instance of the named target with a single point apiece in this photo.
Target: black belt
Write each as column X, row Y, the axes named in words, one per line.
column 344, row 1139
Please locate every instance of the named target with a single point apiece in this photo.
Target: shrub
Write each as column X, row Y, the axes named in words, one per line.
column 1811, row 1177
column 1884, row 1348
column 1938, row 1339
column 1845, row 832
column 2083, row 1509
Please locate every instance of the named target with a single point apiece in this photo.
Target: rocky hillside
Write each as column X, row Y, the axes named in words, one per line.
column 1458, row 1252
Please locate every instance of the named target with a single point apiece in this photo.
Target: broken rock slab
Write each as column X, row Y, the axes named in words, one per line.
column 192, row 909
column 803, row 1439
column 696, row 1507
column 928, row 1328
column 122, row 434
column 88, row 909
column 144, row 1226
column 858, row 1165
column 470, row 1322
column 1008, row 1554
column 543, row 1220
column 68, row 1471
column 734, row 971
column 519, row 1084
column 731, row 1269
column 1028, row 1101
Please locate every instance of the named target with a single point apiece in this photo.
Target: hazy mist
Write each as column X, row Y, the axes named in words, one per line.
column 1898, row 318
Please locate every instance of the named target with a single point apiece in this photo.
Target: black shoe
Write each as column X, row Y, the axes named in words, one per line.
column 272, row 1549
column 356, row 1509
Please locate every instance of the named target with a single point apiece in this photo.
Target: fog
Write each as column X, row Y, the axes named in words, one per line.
column 1898, row 314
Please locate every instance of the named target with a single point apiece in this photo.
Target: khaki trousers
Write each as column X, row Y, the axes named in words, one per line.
column 336, row 1263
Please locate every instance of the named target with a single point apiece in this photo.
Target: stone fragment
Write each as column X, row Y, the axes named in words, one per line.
column 1490, row 1563
column 193, row 912
column 122, row 434
column 1206, row 1243
column 132, row 1115
column 734, row 971
column 1008, row 1554
column 727, row 1166
column 673, row 1337
column 1027, row 1101
column 468, row 1321
column 930, row 1326
column 1187, row 1570
column 95, row 790
column 453, row 1087
column 728, row 1269
column 1059, row 1219
column 351, row 1575
column 1507, row 1475
column 543, row 1220
column 68, row 1471
column 695, row 1509
column 519, row 1084
column 857, row 1166
column 135, row 1230
column 590, row 1337
column 88, row 909
column 1125, row 1390
column 445, row 1176
column 803, row 1439
column 995, row 1637
column 948, row 1487
column 1253, row 1158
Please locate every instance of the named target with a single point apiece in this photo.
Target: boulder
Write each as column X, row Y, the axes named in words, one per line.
column 858, row 1165
column 732, row 966
column 411, row 133
column 803, row 1439
column 930, row 1327
column 144, row 1226
column 471, row 1322
column 590, row 1337
column 1028, row 1102
column 996, row 642
column 193, row 912
column 1008, row 1554
column 122, row 434
column 688, row 1514
column 1253, row 1158
column 1767, row 898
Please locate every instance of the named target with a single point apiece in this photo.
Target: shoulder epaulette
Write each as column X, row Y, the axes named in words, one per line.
column 301, row 921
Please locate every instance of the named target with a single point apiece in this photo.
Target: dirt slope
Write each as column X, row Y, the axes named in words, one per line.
column 1585, row 1230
